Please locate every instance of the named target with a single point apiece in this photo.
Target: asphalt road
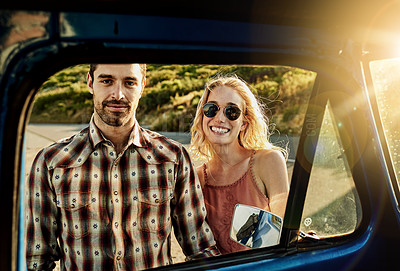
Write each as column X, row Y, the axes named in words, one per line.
column 38, row 136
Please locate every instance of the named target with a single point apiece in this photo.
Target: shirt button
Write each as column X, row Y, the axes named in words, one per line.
column 157, row 200
column 118, row 258
column 72, row 205
column 116, row 224
column 115, row 192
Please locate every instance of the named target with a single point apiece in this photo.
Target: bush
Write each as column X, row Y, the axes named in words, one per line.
column 173, row 92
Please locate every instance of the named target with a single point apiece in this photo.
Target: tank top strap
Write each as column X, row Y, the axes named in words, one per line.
column 251, row 166
column 205, row 173
column 251, row 163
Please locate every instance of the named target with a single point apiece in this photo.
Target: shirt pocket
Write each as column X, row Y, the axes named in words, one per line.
column 154, row 210
column 75, row 213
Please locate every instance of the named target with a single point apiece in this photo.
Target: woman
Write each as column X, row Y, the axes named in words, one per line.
column 231, row 132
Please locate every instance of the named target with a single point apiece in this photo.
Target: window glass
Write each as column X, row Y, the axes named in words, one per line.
column 386, row 81
column 331, row 201
column 63, row 106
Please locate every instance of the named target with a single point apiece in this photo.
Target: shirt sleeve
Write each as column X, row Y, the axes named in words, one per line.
column 41, row 213
column 188, row 212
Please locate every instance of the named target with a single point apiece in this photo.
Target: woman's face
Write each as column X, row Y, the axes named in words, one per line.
column 219, row 129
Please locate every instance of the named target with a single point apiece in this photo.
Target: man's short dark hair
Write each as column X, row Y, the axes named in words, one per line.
column 93, row 67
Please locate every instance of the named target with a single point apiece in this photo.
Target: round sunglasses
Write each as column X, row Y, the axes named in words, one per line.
column 231, row 112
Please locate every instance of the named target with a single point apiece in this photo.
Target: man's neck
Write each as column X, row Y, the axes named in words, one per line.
column 118, row 135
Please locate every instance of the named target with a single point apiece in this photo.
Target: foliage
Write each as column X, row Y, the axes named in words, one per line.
column 172, row 93
column 64, row 98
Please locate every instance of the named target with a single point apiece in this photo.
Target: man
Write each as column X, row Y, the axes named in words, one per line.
column 107, row 197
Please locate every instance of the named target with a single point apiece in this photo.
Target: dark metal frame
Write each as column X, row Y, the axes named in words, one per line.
column 110, row 40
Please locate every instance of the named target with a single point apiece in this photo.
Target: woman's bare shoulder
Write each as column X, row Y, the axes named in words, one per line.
column 270, row 166
column 269, row 156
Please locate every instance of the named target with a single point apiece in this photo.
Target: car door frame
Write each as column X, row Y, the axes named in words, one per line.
column 20, row 80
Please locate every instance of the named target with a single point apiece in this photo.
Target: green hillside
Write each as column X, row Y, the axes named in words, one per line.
column 172, row 93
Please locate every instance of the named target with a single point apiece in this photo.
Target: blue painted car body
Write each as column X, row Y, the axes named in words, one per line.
column 39, row 39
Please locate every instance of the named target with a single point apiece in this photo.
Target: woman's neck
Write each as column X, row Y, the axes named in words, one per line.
column 228, row 156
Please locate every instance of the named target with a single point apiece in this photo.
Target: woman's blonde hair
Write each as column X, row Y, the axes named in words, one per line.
column 256, row 134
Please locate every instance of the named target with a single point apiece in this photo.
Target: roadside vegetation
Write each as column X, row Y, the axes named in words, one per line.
column 173, row 91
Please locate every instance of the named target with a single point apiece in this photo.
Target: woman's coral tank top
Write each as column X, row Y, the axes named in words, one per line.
column 220, row 203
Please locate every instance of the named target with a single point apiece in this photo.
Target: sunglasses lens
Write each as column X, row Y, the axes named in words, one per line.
column 232, row 112
column 210, row 110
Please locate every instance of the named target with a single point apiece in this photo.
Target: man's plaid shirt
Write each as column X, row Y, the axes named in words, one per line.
column 96, row 210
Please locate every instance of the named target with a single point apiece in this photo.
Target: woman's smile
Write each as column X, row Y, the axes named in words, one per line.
column 219, row 130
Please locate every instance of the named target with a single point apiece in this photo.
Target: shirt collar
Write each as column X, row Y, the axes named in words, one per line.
column 95, row 135
column 152, row 147
column 137, row 137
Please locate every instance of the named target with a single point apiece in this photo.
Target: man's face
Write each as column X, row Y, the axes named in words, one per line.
column 116, row 90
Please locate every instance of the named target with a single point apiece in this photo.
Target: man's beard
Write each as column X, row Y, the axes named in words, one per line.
column 115, row 119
